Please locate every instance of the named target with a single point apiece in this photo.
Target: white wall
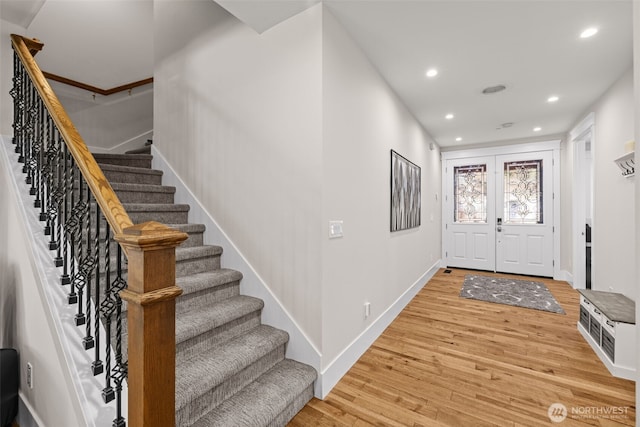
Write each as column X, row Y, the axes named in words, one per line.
column 6, row 73
column 363, row 120
column 238, row 116
column 613, row 195
column 614, row 200
column 25, row 325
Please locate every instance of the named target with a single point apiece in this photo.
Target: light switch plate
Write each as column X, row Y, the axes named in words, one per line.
column 335, row 229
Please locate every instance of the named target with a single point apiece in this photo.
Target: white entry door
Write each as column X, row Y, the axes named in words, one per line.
column 499, row 213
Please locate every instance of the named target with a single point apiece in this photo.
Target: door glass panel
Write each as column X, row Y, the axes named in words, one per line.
column 470, row 194
column 523, row 192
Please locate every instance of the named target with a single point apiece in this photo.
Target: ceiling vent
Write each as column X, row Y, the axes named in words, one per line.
column 494, row 89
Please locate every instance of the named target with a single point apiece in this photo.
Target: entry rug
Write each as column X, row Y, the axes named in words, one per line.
column 520, row 293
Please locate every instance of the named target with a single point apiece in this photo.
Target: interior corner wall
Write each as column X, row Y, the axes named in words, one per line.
column 566, row 206
column 363, row 119
column 238, row 117
column 6, row 74
column 614, row 201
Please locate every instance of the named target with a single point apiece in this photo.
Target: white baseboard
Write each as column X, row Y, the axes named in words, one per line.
column 350, row 355
column 300, row 347
column 615, row 370
column 566, row 276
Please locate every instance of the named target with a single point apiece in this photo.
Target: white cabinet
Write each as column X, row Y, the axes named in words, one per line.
column 607, row 323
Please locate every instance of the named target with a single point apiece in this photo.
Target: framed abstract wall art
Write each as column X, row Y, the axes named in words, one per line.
column 405, row 193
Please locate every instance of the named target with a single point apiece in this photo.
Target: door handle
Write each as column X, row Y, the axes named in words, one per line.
column 498, row 229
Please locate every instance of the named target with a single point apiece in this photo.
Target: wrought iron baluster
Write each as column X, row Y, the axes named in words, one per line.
column 80, row 278
column 30, row 126
column 71, row 226
column 107, row 308
column 43, row 170
column 65, row 279
column 88, row 266
column 51, row 202
column 96, row 366
column 120, row 370
column 58, row 197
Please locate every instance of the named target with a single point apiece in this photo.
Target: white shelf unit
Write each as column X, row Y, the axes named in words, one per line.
column 613, row 342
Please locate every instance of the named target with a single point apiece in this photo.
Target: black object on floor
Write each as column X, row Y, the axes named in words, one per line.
column 447, row 271
column 8, row 386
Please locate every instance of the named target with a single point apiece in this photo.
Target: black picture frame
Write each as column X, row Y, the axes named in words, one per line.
column 406, row 198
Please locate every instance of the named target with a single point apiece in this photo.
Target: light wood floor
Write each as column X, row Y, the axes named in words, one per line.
column 450, row 361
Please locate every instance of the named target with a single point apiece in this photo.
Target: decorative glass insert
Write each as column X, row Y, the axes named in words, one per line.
column 523, row 192
column 470, row 194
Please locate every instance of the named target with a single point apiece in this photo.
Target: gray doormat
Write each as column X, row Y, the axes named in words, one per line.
column 520, row 293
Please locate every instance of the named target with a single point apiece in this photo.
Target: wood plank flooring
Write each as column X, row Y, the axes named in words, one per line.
column 451, row 361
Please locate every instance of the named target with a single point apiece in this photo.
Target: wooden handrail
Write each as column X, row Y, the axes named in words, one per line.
column 150, row 249
column 95, row 89
column 105, row 196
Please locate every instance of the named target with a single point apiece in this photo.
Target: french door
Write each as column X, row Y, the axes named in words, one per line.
column 499, row 213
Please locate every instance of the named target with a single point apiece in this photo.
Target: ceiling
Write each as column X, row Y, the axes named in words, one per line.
column 531, row 47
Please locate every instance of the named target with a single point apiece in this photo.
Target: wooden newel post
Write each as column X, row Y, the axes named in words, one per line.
column 151, row 296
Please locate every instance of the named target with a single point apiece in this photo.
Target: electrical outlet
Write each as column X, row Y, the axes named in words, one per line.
column 29, row 375
column 367, row 309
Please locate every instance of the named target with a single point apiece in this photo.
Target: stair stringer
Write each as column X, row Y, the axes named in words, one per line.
column 83, row 388
column 300, row 347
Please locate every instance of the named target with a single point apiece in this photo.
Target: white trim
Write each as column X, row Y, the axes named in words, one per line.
column 506, row 149
column 615, row 370
column 123, row 146
column 577, row 137
column 27, row 416
column 339, row 366
column 557, row 219
column 566, row 276
column 300, row 347
column 583, row 127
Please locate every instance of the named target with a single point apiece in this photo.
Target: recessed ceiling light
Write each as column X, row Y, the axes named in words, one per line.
column 588, row 33
column 458, row 139
column 537, row 129
column 432, row 72
column 552, row 99
column 449, row 116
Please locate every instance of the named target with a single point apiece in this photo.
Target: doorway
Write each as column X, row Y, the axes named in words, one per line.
column 498, row 210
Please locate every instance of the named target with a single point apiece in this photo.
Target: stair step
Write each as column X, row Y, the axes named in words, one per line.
column 197, row 259
column 165, row 213
column 142, row 150
column 201, row 290
column 207, row 379
column 135, row 160
column 200, row 331
column 116, row 173
column 271, row 400
column 195, row 232
column 143, row 193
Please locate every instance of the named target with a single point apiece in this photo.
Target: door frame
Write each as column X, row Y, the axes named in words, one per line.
column 549, row 145
column 578, row 136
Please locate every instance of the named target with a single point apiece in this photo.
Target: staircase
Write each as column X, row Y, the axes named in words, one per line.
column 230, row 368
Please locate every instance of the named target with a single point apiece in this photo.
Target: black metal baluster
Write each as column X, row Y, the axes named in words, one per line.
column 107, row 308
column 30, row 126
column 120, row 370
column 16, row 94
column 59, row 197
column 43, row 170
column 71, row 227
column 88, row 340
column 96, row 366
column 80, row 280
column 64, row 212
column 51, row 181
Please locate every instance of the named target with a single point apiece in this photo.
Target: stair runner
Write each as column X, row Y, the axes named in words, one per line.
column 230, row 368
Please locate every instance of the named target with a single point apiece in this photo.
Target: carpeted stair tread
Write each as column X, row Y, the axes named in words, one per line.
column 200, row 373
column 206, row 280
column 137, row 160
column 263, row 401
column 193, row 323
column 155, row 207
column 197, row 252
column 149, row 188
column 191, row 227
column 142, row 150
column 132, row 169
